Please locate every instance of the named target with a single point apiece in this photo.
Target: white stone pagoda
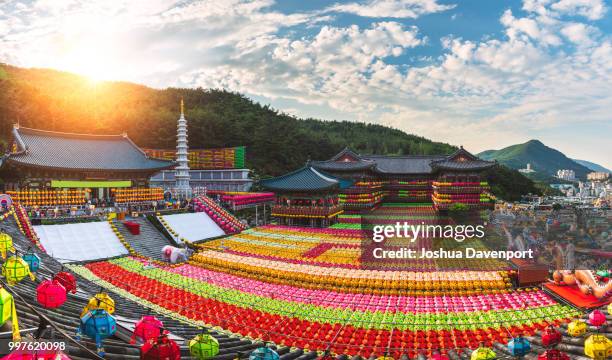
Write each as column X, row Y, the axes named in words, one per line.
column 181, row 172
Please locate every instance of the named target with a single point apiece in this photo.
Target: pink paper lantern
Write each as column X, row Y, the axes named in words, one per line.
column 51, row 294
column 597, row 318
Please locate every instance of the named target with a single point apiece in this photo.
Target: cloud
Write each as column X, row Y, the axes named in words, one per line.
column 591, row 9
column 548, row 71
column 391, row 8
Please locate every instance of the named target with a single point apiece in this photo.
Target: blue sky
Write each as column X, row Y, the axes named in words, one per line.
column 483, row 74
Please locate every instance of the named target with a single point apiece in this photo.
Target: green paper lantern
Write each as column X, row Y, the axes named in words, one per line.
column 203, row 347
column 16, row 269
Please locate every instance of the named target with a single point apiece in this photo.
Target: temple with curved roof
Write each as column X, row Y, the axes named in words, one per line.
column 442, row 179
column 306, row 196
column 42, row 160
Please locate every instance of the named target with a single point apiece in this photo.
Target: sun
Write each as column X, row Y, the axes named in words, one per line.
column 88, row 49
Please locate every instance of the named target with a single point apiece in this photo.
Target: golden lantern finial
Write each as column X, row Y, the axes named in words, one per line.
column 182, row 107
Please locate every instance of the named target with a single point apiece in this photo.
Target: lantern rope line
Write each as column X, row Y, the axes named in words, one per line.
column 301, row 338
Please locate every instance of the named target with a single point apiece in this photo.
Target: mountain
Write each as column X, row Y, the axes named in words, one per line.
column 543, row 159
column 592, row 166
column 276, row 142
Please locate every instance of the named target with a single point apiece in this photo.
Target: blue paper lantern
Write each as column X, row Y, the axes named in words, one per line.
column 264, row 353
column 519, row 346
column 33, row 261
column 98, row 325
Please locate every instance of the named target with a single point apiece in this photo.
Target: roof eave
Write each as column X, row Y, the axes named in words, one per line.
column 24, row 164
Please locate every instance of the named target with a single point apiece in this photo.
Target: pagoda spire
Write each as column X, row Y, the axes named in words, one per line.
column 182, row 176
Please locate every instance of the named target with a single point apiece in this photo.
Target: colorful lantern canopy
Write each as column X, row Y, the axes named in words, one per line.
column 67, row 280
column 100, row 301
column 577, row 328
column 483, row 353
column 551, row 337
column 264, row 353
column 6, row 244
column 51, row 294
column 598, row 347
column 147, row 328
column 8, row 311
column 203, row 347
column 15, row 269
column 33, row 261
column 597, row 318
column 610, row 309
column 553, row 354
column 98, row 325
column 519, row 346
column 160, row 349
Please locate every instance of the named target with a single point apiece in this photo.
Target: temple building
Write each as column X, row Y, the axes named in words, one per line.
column 64, row 168
column 443, row 180
column 306, row 197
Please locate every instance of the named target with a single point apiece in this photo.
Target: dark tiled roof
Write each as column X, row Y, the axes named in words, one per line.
column 416, row 164
column 402, row 164
column 58, row 150
column 304, row 179
column 463, row 165
column 343, row 165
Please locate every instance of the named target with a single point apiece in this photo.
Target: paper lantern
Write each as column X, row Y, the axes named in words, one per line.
column 577, row 328
column 98, row 325
column 6, row 244
column 15, row 269
column 519, row 346
column 100, row 301
column 148, row 327
column 67, row 280
column 438, row 356
column 264, row 353
column 597, row 318
column 51, row 294
column 483, row 353
column 598, row 347
column 8, row 311
column 160, row 349
column 203, row 347
column 553, row 354
column 551, row 337
column 33, row 261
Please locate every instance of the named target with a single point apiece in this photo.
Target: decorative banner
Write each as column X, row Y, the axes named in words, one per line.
column 199, row 159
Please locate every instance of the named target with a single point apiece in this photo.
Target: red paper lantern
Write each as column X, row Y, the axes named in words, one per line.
column 67, row 280
column 147, row 328
column 163, row 348
column 551, row 337
column 50, row 294
column 553, row 354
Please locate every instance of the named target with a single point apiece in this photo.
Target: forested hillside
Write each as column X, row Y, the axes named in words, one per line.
column 276, row 142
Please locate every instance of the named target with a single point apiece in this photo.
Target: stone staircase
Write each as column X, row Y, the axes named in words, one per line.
column 150, row 241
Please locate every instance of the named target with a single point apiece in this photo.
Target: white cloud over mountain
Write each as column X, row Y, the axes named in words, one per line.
column 548, row 74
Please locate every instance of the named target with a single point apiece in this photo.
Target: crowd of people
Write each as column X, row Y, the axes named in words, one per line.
column 565, row 238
